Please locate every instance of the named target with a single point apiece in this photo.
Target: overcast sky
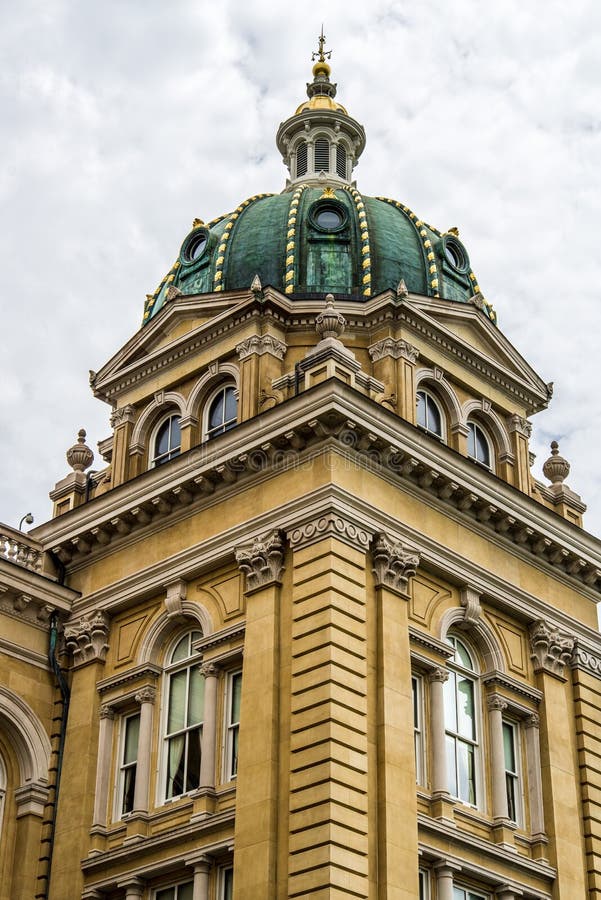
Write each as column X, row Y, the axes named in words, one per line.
column 123, row 120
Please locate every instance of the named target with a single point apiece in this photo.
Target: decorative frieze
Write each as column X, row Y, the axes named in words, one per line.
column 329, row 525
column 551, row 648
column 262, row 560
column 258, row 344
column 585, row 659
column 86, row 638
column 394, row 563
column 397, row 349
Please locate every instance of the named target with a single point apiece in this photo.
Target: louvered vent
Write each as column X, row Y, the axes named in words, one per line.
column 341, row 161
column 301, row 159
column 322, row 156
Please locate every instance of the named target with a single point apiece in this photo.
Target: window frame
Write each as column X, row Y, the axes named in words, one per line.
column 208, row 433
column 517, row 775
column 417, row 697
column 473, row 675
column 477, row 426
column 170, row 669
column 159, row 459
column 173, row 887
column 222, row 881
column 119, row 812
column 423, row 877
column 430, row 395
column 231, row 729
column 468, row 893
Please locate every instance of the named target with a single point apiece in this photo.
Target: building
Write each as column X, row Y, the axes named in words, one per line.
column 314, row 630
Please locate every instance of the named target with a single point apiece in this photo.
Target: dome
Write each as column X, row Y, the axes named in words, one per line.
column 320, row 235
column 313, row 241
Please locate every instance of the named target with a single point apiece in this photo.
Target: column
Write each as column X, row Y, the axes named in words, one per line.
column 103, row 765
column 440, row 778
column 122, row 421
column 260, row 363
column 535, row 781
column 201, row 879
column 398, row 859
column 329, row 837
column 503, row 830
column 145, row 698
column 255, row 838
column 551, row 652
column 444, row 880
column 133, row 887
column 209, row 726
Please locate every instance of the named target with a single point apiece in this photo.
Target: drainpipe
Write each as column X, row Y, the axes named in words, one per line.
column 65, row 695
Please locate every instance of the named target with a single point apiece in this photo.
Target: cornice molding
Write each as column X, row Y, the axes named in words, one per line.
column 137, row 673
column 225, row 636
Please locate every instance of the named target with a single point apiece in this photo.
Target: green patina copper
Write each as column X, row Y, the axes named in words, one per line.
column 366, row 246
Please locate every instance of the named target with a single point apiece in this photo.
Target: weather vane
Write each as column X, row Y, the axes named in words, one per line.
column 321, row 54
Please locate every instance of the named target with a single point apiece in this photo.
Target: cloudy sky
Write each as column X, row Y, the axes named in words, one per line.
column 123, row 120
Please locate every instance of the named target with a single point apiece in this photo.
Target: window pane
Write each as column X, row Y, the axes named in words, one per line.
column 421, row 409
column 162, row 442
column 129, row 787
column 216, row 411
column 196, row 695
column 236, row 695
column 465, row 708
column 433, row 416
column 234, row 751
column 185, row 891
column 182, row 649
column 176, row 434
column 511, row 785
column 193, row 761
column 509, row 746
column 482, row 451
column 450, row 703
column 175, row 766
column 166, row 894
column 462, row 655
column 466, row 772
column 177, row 702
column 228, row 884
column 452, row 766
column 132, row 730
column 471, row 441
column 231, row 404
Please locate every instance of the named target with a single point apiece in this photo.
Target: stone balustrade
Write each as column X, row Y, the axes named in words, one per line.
column 17, row 547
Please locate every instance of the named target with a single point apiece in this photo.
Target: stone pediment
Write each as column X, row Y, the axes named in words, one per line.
column 464, row 331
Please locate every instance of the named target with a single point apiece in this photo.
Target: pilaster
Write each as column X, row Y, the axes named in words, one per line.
column 393, row 566
column 394, row 363
column 122, row 423
column 260, row 363
column 261, row 560
column 328, row 812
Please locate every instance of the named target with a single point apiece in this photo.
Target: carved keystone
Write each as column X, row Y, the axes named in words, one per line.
column 262, row 560
column 394, row 564
column 551, row 648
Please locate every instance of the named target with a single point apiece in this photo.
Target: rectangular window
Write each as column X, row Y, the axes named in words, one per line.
column 226, row 886
column 512, row 773
column 461, row 736
column 466, row 894
column 424, row 885
column 233, row 724
column 128, row 763
column 177, row 892
column 418, row 738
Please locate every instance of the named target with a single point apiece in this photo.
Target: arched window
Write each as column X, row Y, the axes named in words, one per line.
column 301, row 159
column 478, row 445
column 166, row 441
column 340, row 161
column 429, row 414
column 222, row 411
column 183, row 719
column 322, row 155
column 461, row 724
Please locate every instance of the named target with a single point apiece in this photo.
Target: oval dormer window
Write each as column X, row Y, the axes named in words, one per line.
column 194, row 246
column 329, row 216
column 455, row 254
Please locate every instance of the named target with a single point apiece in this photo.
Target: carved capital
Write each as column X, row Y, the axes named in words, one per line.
column 146, row 695
column 127, row 414
column 106, row 711
column 262, row 560
column 533, row 721
column 551, row 648
column 175, row 594
column 438, row 674
column 496, row 702
column 519, row 424
column 258, row 344
column 209, row 670
column 329, row 525
column 397, row 349
column 86, row 638
column 394, row 564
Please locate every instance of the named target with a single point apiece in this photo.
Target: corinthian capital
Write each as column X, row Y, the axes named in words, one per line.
column 262, row 560
column 397, row 349
column 394, row 563
column 258, row 344
column 551, row 648
column 86, row 638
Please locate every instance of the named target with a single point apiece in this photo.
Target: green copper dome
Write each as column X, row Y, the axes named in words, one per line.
column 313, row 241
column 320, row 235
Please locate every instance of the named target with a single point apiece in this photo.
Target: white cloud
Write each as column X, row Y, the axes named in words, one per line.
column 123, row 121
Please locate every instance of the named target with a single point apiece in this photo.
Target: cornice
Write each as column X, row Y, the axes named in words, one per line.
column 146, row 670
column 225, row 636
column 440, row 649
column 331, row 415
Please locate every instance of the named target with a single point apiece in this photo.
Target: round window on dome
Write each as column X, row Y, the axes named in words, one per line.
column 455, row 254
column 329, row 217
column 194, row 246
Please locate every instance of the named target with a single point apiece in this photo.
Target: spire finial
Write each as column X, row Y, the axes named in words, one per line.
column 321, row 54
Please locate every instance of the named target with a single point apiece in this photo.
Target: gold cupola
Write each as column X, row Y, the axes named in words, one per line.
column 320, row 143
